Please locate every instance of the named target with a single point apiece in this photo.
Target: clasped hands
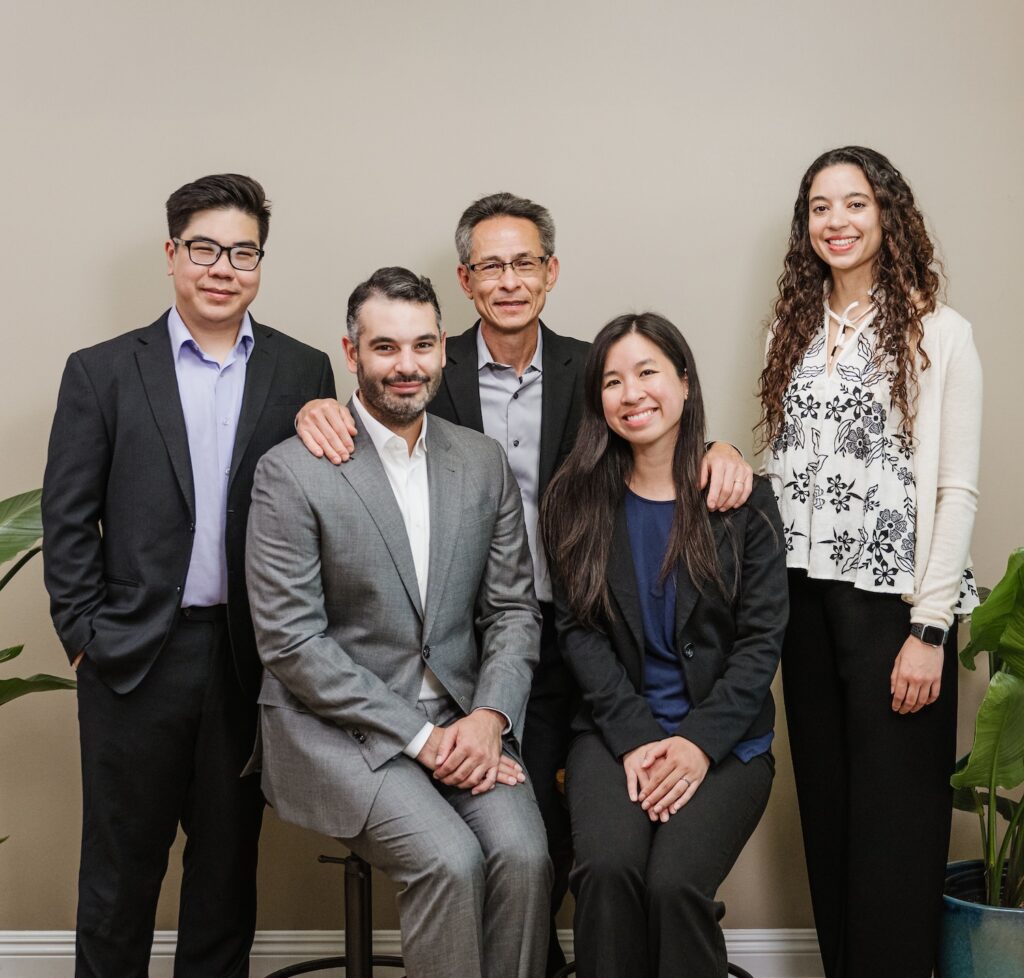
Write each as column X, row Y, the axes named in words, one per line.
column 664, row 775
column 467, row 753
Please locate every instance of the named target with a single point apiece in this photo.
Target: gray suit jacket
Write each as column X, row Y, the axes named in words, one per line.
column 340, row 628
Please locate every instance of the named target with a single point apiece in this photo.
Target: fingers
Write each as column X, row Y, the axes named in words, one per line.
column 705, row 471
column 631, row 783
column 487, row 782
column 444, row 750
column 716, row 484
column 509, row 772
column 738, row 490
column 326, row 428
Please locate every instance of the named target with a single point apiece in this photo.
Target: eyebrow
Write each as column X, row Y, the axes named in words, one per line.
column 247, row 243
column 518, row 254
column 394, row 342
column 639, row 363
column 853, row 193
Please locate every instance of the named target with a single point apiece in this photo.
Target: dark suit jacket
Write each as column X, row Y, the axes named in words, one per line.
column 729, row 649
column 118, row 500
column 562, row 358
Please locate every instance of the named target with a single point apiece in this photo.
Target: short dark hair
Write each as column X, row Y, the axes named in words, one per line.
column 392, row 282
column 220, row 191
column 503, row 205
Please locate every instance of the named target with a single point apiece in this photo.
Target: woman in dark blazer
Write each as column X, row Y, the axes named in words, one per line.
column 671, row 619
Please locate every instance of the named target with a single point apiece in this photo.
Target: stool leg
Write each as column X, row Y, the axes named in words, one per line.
column 358, row 919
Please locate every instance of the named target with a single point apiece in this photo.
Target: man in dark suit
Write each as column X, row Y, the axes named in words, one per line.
column 145, row 499
column 517, row 381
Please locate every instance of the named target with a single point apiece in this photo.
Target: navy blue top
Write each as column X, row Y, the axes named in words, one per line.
column 649, row 522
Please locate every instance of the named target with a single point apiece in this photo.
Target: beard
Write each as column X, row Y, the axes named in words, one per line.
column 397, row 410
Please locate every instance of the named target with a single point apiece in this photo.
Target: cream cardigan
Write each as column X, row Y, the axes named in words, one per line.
column 947, row 442
column 947, row 445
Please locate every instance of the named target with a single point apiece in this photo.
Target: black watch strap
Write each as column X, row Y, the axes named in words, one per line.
column 929, row 634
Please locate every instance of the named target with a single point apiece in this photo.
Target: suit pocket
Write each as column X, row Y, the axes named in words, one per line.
column 121, row 581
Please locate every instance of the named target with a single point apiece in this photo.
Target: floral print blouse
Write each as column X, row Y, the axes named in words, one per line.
column 844, row 474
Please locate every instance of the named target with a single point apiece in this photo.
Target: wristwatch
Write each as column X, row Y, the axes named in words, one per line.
column 929, row 634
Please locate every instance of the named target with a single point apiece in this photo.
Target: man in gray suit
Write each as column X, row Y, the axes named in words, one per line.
column 395, row 614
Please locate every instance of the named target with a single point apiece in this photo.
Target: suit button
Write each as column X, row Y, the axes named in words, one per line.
column 688, row 650
column 191, row 528
column 426, row 651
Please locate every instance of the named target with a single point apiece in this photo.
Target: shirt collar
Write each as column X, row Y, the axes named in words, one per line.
column 484, row 358
column 383, row 438
column 180, row 335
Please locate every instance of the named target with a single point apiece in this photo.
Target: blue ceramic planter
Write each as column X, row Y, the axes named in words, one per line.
column 978, row 941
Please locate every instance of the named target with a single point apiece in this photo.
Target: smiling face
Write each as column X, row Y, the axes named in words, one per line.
column 641, row 393
column 213, row 298
column 398, row 360
column 509, row 304
column 844, row 221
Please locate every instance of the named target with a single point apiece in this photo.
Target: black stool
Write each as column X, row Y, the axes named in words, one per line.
column 570, row 969
column 358, row 959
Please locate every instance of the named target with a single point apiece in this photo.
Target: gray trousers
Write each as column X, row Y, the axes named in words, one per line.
column 474, row 871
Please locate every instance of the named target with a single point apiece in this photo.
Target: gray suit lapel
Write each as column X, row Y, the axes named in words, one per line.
column 445, row 480
column 365, row 473
column 156, row 365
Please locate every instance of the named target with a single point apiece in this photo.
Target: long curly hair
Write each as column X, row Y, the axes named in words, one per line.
column 908, row 278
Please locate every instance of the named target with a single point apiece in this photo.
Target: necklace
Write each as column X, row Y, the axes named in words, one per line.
column 844, row 321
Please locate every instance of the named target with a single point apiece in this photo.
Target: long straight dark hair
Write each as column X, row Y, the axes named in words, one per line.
column 577, row 513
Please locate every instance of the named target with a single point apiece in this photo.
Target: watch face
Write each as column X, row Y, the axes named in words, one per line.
column 930, row 634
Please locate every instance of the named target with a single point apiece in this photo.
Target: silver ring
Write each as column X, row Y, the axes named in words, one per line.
column 687, row 780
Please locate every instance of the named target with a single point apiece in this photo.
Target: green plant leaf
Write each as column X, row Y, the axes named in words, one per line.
column 21, row 523
column 11, row 689
column 998, row 737
column 997, row 624
column 7, row 654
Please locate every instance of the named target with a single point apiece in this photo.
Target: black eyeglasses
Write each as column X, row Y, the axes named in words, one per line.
column 526, row 266
column 201, row 251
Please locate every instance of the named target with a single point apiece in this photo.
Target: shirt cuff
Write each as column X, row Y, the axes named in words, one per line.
column 413, row 748
column 508, row 723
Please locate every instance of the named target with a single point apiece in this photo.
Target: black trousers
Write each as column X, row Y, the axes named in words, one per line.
column 873, row 786
column 645, row 892
column 549, row 713
column 169, row 751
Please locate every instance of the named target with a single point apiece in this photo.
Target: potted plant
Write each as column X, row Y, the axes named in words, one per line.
column 983, row 922
column 20, row 530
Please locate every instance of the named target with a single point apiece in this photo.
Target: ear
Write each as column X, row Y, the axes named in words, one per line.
column 444, row 351
column 463, row 275
column 553, row 270
column 170, row 249
column 351, row 354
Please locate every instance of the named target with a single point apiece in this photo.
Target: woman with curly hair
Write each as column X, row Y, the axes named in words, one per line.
column 671, row 619
column 871, row 411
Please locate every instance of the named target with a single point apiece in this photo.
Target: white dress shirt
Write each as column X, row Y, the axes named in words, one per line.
column 407, row 474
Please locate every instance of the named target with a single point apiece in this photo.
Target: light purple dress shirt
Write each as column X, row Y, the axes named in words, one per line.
column 211, row 400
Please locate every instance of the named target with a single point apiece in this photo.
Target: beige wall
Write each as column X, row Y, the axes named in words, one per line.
column 667, row 139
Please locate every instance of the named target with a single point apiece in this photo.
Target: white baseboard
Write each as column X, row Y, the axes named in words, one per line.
column 778, row 953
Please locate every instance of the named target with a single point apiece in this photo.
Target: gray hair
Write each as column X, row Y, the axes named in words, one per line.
column 503, row 205
column 395, row 283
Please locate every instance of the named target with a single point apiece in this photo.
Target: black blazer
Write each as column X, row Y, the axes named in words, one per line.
column 118, row 500
column 562, row 357
column 729, row 649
